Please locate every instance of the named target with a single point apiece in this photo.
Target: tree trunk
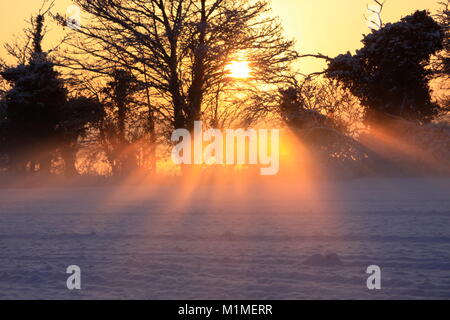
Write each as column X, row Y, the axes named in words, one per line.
column 69, row 156
column 196, row 89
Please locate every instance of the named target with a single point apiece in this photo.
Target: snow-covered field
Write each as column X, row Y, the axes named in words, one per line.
column 228, row 242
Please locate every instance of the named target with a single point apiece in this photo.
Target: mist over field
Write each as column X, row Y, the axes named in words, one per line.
column 209, row 149
column 140, row 243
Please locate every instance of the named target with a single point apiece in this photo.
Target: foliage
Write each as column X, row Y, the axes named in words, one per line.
column 389, row 74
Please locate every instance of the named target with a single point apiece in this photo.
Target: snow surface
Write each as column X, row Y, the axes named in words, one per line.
column 239, row 243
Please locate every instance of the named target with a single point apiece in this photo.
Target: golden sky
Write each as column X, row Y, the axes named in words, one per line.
column 326, row 26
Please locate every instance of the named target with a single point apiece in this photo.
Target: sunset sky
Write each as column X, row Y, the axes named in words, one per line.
column 326, row 26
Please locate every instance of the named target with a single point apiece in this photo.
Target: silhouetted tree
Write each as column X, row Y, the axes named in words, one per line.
column 3, row 142
column 442, row 63
column 298, row 115
column 120, row 92
column 77, row 115
column 310, row 110
column 319, row 102
column 181, row 47
column 33, row 107
column 389, row 74
column 37, row 121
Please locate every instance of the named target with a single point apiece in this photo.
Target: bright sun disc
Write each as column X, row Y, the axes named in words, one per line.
column 239, row 69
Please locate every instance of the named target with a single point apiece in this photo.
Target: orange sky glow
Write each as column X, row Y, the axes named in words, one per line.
column 326, row 26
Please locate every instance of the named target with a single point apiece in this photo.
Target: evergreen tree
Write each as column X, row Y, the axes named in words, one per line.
column 389, row 74
column 33, row 107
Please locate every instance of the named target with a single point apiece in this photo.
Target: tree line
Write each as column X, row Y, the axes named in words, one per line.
column 122, row 80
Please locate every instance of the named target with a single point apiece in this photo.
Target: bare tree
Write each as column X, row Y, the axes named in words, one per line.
column 179, row 48
column 375, row 20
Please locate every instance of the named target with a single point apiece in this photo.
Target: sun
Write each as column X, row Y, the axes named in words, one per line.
column 239, row 69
